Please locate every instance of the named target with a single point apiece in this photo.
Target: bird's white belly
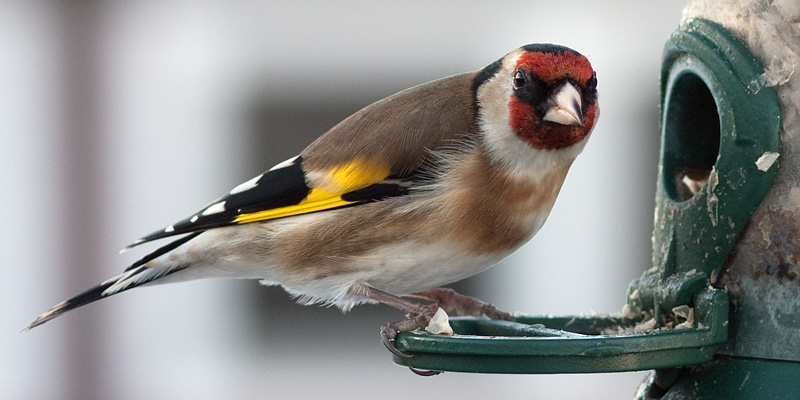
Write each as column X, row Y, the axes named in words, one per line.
column 399, row 268
column 412, row 266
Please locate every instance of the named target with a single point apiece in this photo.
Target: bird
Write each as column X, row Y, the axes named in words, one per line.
column 423, row 188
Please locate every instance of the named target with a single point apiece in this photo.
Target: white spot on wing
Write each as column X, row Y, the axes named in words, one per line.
column 194, row 219
column 169, row 229
column 247, row 185
column 284, row 164
column 215, row 208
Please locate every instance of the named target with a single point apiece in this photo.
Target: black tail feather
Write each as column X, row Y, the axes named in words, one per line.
column 163, row 250
column 135, row 275
column 82, row 299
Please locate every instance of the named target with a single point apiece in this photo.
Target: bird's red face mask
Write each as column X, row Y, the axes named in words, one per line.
column 555, row 99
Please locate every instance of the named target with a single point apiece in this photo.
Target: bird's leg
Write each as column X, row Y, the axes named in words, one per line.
column 419, row 315
column 450, row 300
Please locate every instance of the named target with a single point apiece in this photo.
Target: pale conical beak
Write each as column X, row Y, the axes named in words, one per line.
column 566, row 109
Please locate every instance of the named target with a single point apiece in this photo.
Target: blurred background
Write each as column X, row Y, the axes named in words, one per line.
column 119, row 118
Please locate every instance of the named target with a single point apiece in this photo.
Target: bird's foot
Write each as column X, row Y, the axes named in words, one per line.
column 450, row 301
column 418, row 318
column 419, row 315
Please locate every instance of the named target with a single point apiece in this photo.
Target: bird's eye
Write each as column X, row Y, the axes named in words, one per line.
column 592, row 83
column 519, row 79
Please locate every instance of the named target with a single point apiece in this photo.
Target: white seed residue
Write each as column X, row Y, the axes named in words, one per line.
column 766, row 160
column 777, row 73
column 692, row 185
column 766, row 228
column 713, row 278
column 686, row 314
column 439, row 324
column 712, row 202
column 519, row 314
column 626, row 311
column 645, row 326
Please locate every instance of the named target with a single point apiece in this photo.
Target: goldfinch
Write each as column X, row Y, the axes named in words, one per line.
column 423, row 188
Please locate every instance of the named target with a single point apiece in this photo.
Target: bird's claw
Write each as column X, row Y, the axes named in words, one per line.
column 423, row 372
column 417, row 319
column 387, row 338
column 390, row 331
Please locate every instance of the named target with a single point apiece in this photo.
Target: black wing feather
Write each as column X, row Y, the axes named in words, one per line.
column 276, row 188
column 281, row 187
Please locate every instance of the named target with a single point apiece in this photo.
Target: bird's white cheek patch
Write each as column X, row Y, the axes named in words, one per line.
column 503, row 144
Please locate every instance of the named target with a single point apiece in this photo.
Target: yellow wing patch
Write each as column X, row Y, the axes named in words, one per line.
column 327, row 191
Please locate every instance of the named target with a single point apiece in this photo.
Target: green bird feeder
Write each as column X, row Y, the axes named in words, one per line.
column 720, row 139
